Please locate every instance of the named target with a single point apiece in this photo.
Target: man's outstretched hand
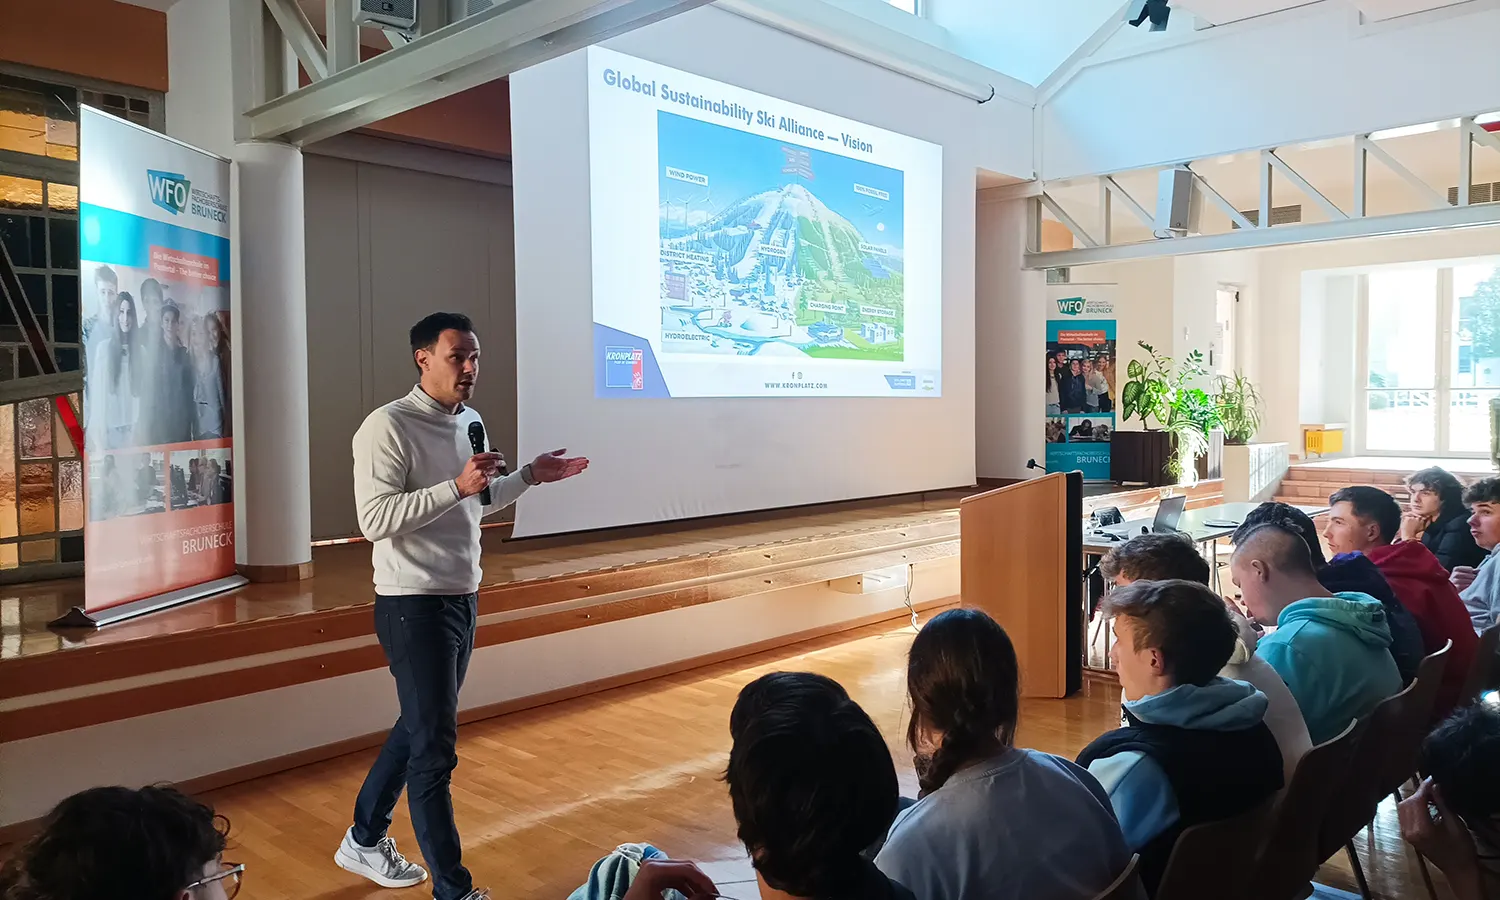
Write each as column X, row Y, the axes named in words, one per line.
column 554, row 466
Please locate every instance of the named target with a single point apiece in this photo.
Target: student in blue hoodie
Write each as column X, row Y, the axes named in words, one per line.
column 1332, row 650
column 1196, row 747
column 1348, row 572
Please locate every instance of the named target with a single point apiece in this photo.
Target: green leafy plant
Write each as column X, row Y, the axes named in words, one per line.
column 1147, row 388
column 1156, row 389
column 1240, row 407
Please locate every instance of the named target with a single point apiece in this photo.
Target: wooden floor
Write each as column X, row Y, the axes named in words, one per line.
column 1457, row 465
column 540, row 795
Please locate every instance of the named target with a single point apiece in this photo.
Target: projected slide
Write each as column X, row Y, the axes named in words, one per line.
column 745, row 247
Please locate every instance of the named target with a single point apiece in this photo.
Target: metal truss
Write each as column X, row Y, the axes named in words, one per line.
column 439, row 59
column 1341, row 224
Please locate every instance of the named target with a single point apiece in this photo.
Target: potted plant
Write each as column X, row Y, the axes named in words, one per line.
column 1184, row 416
column 1240, row 408
column 1251, row 473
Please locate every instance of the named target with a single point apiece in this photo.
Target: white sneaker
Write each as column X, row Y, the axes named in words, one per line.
column 477, row 894
column 382, row 863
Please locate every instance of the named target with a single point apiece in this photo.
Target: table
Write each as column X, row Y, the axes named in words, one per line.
column 1194, row 524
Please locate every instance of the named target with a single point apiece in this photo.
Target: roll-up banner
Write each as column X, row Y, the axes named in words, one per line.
column 1081, row 380
column 154, row 267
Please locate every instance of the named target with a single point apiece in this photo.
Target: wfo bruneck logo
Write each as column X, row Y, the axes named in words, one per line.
column 169, row 190
column 1072, row 306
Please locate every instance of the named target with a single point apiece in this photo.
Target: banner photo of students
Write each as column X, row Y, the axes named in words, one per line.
column 154, row 267
column 1081, row 380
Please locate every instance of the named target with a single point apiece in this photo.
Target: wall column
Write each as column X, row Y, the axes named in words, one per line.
column 214, row 66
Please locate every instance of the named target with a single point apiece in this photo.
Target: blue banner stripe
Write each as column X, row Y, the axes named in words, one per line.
column 121, row 239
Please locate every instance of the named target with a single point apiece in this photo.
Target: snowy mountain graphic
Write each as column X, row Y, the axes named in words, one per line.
column 785, row 231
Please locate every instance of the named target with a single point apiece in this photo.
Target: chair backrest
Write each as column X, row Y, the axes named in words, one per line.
column 1289, row 858
column 1408, row 723
column 1127, row 886
column 1352, row 803
column 1216, row 859
column 1484, row 674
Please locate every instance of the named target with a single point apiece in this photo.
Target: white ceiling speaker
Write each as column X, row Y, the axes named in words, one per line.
column 398, row 14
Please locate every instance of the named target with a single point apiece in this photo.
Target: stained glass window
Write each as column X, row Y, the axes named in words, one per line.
column 41, row 469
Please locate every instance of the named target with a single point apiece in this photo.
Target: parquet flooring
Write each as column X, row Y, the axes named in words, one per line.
column 540, row 795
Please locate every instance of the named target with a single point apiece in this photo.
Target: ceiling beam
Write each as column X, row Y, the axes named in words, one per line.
column 479, row 48
column 1280, row 236
column 300, row 36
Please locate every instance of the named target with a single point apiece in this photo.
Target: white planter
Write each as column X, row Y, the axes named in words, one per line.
column 1253, row 472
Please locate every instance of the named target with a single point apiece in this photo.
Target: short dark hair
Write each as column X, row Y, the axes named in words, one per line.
column 1280, row 545
column 1288, row 518
column 105, row 273
column 1462, row 754
column 170, row 309
column 154, row 287
column 1435, row 478
column 425, row 334
column 1156, row 557
column 116, row 842
column 811, row 781
column 1372, row 504
column 963, row 679
column 1485, row 490
column 1184, row 620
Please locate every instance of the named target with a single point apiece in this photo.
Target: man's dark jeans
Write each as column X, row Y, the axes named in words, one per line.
column 427, row 642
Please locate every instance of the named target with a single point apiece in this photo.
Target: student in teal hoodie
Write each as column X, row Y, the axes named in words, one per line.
column 1195, row 747
column 1332, row 650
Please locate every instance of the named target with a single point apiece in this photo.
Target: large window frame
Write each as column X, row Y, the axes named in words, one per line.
column 1445, row 350
column 41, row 468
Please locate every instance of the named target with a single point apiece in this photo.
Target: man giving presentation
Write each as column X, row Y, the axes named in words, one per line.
column 420, row 488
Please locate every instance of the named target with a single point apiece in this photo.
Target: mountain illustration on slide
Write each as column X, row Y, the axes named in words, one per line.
column 787, row 231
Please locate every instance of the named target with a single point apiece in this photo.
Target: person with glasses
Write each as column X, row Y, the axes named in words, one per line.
column 117, row 843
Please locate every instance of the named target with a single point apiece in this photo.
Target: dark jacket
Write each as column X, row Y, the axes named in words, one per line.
column 1355, row 573
column 1189, row 755
column 1450, row 541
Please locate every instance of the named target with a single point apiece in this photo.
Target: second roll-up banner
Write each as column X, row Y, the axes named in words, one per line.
column 154, row 262
column 1082, row 383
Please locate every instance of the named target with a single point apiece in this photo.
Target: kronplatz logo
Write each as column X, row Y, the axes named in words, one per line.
column 170, row 191
column 1072, row 306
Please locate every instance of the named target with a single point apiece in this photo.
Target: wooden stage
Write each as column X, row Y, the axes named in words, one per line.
column 292, row 633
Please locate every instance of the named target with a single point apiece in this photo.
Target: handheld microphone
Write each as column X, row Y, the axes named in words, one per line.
column 476, row 441
column 1030, row 464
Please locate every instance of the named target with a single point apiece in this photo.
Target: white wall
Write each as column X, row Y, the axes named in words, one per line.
column 1009, row 332
column 385, row 247
column 1293, row 76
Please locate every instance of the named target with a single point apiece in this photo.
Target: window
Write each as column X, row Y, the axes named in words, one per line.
column 1431, row 359
column 911, row 6
column 42, row 336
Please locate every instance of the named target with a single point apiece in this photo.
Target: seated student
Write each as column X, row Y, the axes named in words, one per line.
column 1332, row 650
column 1365, row 520
column 114, row 842
column 1480, row 588
column 995, row 822
column 1461, row 757
column 1350, row 572
column 1164, row 557
column 1196, row 748
column 1437, row 516
column 812, row 785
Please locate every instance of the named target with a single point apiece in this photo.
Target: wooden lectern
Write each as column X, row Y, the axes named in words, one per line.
column 1021, row 561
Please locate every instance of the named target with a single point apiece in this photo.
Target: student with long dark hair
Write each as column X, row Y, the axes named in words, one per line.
column 994, row 822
